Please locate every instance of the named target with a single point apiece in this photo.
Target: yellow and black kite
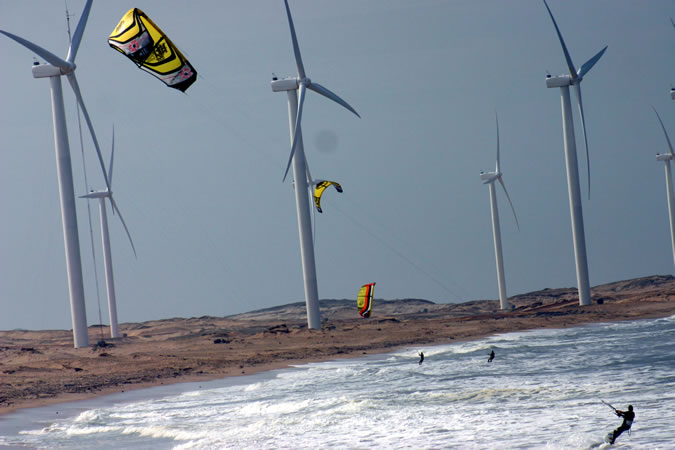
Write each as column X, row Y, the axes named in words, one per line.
column 318, row 191
column 364, row 301
column 138, row 38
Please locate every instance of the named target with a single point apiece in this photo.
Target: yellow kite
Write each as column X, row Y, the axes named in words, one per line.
column 322, row 186
column 140, row 40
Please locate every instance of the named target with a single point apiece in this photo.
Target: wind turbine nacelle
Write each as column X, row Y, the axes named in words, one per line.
column 285, row 84
column 96, row 194
column 488, row 177
column 559, row 81
column 46, row 71
column 664, row 156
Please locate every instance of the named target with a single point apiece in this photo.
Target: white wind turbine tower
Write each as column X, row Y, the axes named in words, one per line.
column 105, row 238
column 564, row 82
column 296, row 87
column 489, row 178
column 666, row 158
column 55, row 68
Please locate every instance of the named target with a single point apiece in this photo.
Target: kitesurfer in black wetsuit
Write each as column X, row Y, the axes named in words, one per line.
column 421, row 357
column 492, row 356
column 628, row 417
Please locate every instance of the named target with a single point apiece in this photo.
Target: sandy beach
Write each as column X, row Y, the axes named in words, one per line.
column 42, row 367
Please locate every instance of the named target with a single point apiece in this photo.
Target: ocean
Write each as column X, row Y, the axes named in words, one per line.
column 542, row 391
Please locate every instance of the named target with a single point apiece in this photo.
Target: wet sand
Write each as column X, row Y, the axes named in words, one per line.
column 41, row 367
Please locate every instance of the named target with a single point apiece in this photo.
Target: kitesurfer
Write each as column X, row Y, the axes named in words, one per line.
column 492, row 356
column 421, row 357
column 628, row 417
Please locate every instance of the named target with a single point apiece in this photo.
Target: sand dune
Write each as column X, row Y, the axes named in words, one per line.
column 39, row 367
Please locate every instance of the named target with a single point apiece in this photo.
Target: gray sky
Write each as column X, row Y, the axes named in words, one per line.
column 198, row 176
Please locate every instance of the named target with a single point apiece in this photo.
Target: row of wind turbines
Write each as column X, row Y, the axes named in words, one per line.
column 564, row 82
column 296, row 88
column 55, row 68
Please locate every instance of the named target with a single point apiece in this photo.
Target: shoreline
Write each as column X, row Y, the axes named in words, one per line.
column 41, row 368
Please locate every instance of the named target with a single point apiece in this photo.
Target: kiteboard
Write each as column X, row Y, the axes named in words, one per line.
column 603, row 444
column 609, row 436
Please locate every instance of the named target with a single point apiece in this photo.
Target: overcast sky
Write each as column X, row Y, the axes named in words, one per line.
column 198, row 175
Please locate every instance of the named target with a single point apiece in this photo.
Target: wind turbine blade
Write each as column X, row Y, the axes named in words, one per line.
column 497, row 121
column 296, row 48
column 112, row 157
column 510, row 203
column 583, row 130
column 78, row 95
column 670, row 146
column 301, row 100
column 590, row 63
column 316, row 87
column 570, row 64
column 117, row 210
column 45, row 54
column 79, row 31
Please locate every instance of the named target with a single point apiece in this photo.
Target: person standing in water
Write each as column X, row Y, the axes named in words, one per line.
column 628, row 418
column 492, row 356
column 421, row 357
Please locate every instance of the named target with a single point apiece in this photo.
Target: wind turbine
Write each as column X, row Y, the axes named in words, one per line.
column 666, row 158
column 489, row 178
column 564, row 82
column 55, row 68
column 296, row 87
column 105, row 238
